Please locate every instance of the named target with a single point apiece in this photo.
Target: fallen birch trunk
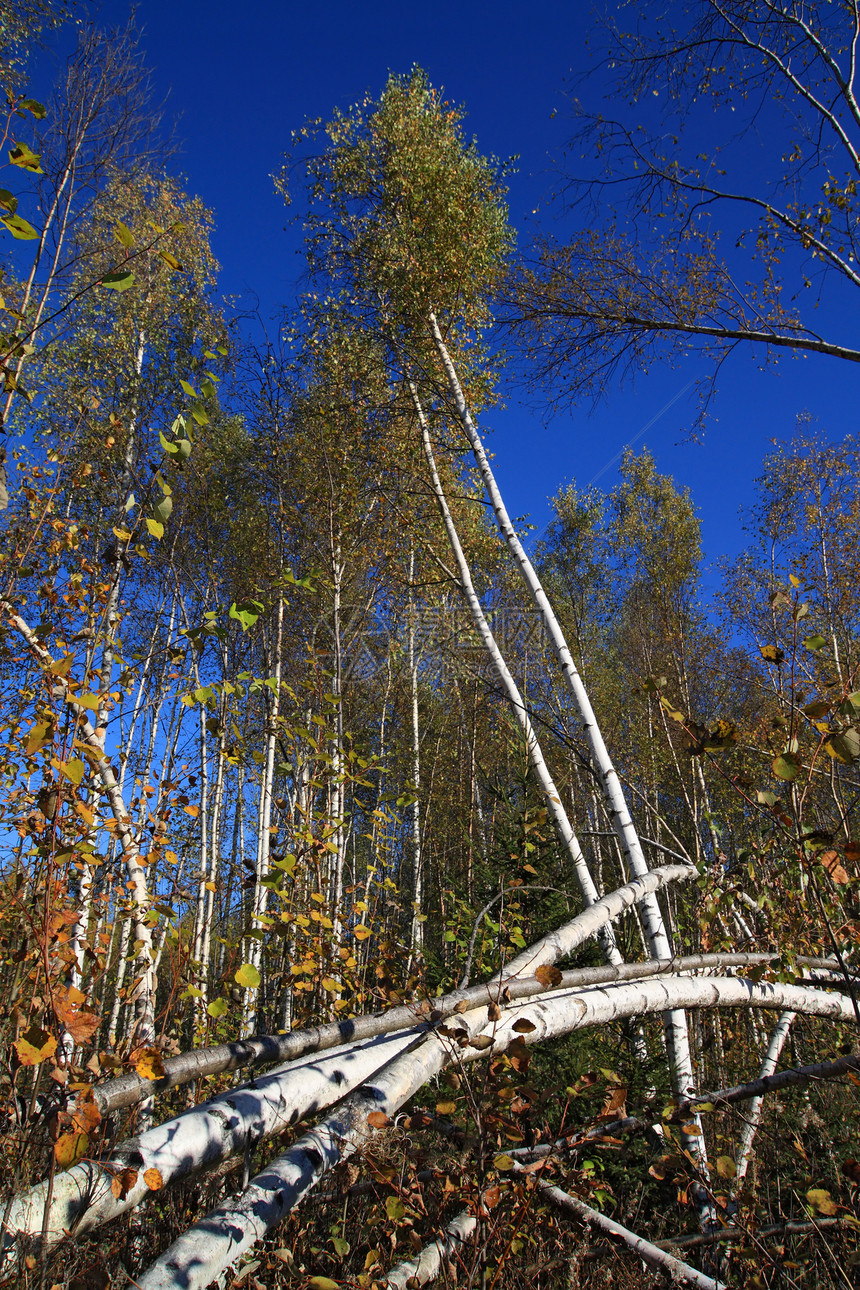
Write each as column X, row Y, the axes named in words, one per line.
column 82, row 1197
column 428, row 1264
column 213, row 1244
column 266, row 1050
column 224, row 1127
column 678, row 1272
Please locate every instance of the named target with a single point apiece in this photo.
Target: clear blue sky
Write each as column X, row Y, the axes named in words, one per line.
column 241, row 77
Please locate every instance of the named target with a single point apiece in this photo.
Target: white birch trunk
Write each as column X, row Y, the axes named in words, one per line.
column 261, row 893
column 551, row 794
column 677, row 1039
column 388, row 1072
column 778, row 1036
column 144, row 987
column 415, row 809
column 212, row 1245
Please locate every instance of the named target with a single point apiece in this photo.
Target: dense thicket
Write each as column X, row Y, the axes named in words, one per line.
column 291, row 751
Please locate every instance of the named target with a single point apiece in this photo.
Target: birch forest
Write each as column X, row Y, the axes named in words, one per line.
column 390, row 896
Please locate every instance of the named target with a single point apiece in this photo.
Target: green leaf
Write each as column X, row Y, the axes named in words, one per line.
column 189, row 390
column 36, row 109
column 246, row 612
column 217, row 1008
column 503, row 1163
column 156, row 530
column 844, row 747
column 183, row 447
column 850, row 705
column 815, row 643
column 787, row 765
column 19, row 227
column 124, row 234
column 119, row 281
column 323, row 1283
column 247, row 976
column 394, row 1208
column 74, row 770
column 26, row 158
column 341, row 1246
column 8, row 201
column 166, row 444
column 726, row 1167
column 163, row 508
column 200, row 414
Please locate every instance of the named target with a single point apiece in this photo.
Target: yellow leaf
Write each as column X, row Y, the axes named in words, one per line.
column 35, row 1046
column 69, row 1148
column 148, row 1063
column 192, row 810
column 90, row 701
column 248, row 976
column 360, row 932
column 85, row 813
column 822, row 1200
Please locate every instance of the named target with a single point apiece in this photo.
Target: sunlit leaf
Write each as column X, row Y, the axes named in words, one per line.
column 830, row 861
column 69, row 1148
column 119, row 281
column 148, row 1063
column 772, row 653
column 821, row 1200
column 247, row 976
column 34, row 1046
column 23, row 156
column 19, row 227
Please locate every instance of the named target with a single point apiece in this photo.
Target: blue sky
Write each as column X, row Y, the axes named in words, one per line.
column 241, row 78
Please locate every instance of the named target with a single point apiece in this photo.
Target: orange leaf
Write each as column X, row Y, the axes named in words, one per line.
column 378, row 1120
column 614, row 1104
column 79, row 1022
column 86, row 1114
column 548, row 975
column 830, row 860
column 153, row 1179
column 122, row 1183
